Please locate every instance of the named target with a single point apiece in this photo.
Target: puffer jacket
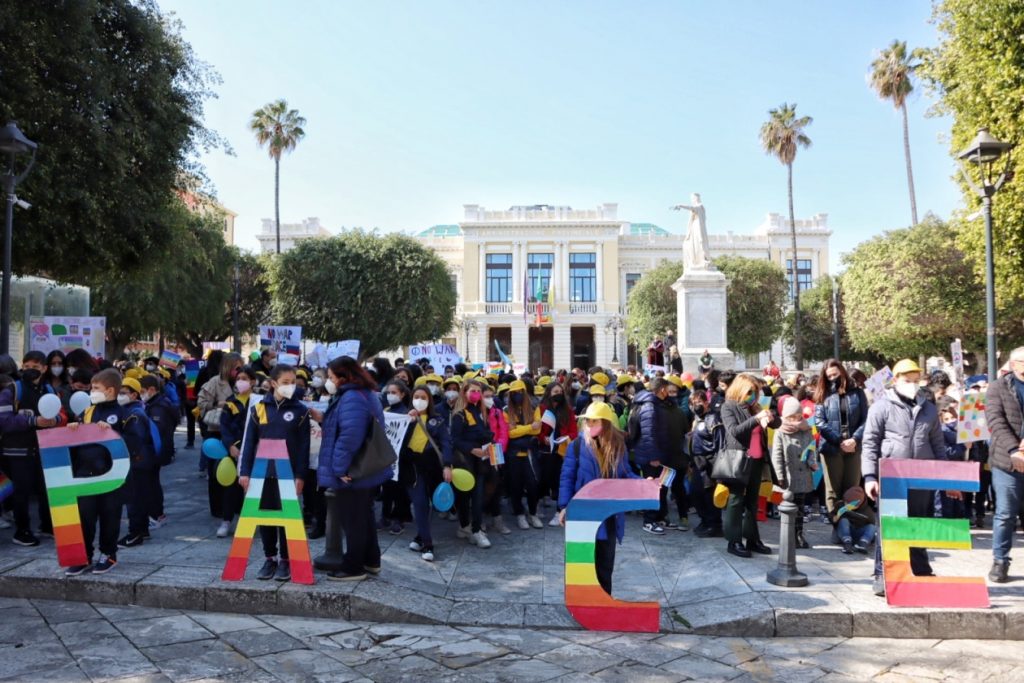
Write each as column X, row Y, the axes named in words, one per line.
column 652, row 440
column 829, row 422
column 579, row 468
column 1005, row 421
column 345, row 428
column 895, row 430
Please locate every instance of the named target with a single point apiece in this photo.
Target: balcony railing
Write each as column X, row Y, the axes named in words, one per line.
column 498, row 309
column 577, row 308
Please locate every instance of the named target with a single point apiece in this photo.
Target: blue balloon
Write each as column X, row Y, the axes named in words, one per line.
column 214, row 449
column 444, row 497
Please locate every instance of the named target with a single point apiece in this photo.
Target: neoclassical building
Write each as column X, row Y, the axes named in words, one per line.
column 581, row 264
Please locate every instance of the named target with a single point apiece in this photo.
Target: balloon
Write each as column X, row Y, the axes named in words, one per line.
column 444, row 497
column 226, row 473
column 49, row 406
column 463, row 479
column 79, row 402
column 214, row 449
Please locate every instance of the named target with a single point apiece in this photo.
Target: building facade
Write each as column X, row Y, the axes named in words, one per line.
column 572, row 270
column 291, row 234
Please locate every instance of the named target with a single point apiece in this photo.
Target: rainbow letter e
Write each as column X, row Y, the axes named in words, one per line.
column 587, row 601
column 289, row 516
column 900, row 533
column 64, row 489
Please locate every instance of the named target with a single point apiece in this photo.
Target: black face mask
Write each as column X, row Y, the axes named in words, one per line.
column 31, row 375
column 699, row 411
column 833, row 385
column 516, row 397
column 557, row 399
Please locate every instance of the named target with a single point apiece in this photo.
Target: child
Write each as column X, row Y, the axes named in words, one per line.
column 795, row 459
column 523, row 431
column 428, row 434
column 470, row 435
column 499, row 427
column 277, row 416
column 950, row 508
column 143, row 477
column 856, row 522
column 165, row 415
column 232, row 428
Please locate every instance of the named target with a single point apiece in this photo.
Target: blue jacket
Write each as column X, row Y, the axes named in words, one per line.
column 345, row 428
column 171, row 393
column 273, row 419
column 232, row 420
column 579, row 468
column 954, row 451
column 829, row 423
column 652, row 442
column 165, row 416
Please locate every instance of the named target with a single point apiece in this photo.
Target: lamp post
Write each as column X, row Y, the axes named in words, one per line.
column 613, row 325
column 636, row 347
column 835, row 317
column 12, row 143
column 984, row 151
column 468, row 326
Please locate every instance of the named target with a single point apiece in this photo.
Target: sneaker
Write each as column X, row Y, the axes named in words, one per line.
column 45, row 533
column 465, row 532
column 654, row 528
column 480, row 540
column 847, row 547
column 371, row 570
column 860, row 547
column 999, row 572
column 500, row 526
column 535, row 521
column 554, row 520
column 396, row 528
column 104, row 565
column 383, row 524
column 450, row 516
column 669, row 525
column 415, row 545
column 521, row 522
column 130, row 541
column 224, row 530
column 684, row 524
column 25, row 538
column 157, row 523
column 268, row 570
column 824, row 518
column 427, row 554
column 878, row 586
column 77, row 570
column 345, row 576
column 284, row 571
column 4, row 524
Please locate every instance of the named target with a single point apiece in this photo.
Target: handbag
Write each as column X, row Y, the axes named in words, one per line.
column 375, row 455
column 212, row 418
column 731, row 467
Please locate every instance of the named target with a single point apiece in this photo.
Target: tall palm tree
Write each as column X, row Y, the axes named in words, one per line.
column 781, row 135
column 280, row 129
column 890, row 77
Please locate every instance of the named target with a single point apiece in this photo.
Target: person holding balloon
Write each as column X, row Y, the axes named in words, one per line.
column 470, row 435
column 429, row 452
column 232, row 428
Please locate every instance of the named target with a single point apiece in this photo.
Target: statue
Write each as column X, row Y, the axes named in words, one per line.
column 695, row 245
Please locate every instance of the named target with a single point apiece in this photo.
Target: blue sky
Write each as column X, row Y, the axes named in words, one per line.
column 416, row 108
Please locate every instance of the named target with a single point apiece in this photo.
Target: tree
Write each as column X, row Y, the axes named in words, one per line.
column 781, row 135
column 386, row 291
column 279, row 129
column 114, row 96
column 652, row 304
column 890, row 77
column 816, row 315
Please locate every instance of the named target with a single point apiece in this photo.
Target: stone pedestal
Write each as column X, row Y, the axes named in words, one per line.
column 701, row 307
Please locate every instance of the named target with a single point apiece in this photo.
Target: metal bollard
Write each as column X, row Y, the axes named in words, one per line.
column 331, row 560
column 786, row 574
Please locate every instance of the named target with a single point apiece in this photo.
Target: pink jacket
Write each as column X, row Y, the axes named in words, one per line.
column 499, row 426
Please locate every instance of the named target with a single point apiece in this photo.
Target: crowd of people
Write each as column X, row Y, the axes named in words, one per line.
column 820, row 438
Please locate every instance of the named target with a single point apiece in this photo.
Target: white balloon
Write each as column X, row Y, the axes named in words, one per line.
column 79, row 402
column 49, row 406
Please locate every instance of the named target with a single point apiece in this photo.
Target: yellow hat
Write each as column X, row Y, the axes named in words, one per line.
column 675, row 380
column 433, row 378
column 544, row 380
column 721, row 496
column 622, row 380
column 538, row 390
column 904, row 366
column 135, row 373
column 420, row 382
column 518, row 385
column 601, row 378
column 132, row 384
column 165, row 373
column 472, row 374
column 597, row 390
column 601, row 411
column 456, row 380
column 502, row 387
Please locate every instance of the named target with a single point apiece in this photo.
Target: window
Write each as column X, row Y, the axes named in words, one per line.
column 803, row 275
column 538, row 273
column 631, row 281
column 455, row 285
column 499, row 278
column 583, row 277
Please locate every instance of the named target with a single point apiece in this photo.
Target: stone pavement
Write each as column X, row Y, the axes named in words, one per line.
column 46, row 640
column 519, row 581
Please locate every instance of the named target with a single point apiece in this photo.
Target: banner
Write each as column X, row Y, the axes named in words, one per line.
column 349, row 347
column 216, row 346
column 59, row 333
column 970, row 424
column 395, row 426
column 438, row 355
column 281, row 339
column 191, row 376
column 878, row 383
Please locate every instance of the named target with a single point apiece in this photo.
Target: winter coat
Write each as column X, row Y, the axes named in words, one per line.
column 345, row 428
column 232, row 420
column 651, row 441
column 470, row 430
column 953, row 451
column 895, row 430
column 786, row 460
column 166, row 418
column 271, row 418
column 739, row 427
column 829, row 422
column 214, row 394
column 1005, row 421
column 19, row 410
column 579, row 468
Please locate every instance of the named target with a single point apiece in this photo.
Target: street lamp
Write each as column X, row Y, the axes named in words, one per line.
column 12, row 143
column 984, row 151
column 613, row 325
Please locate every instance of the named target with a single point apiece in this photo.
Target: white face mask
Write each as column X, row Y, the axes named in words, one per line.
column 451, row 395
column 331, row 387
column 489, row 402
column 56, row 370
column 420, row 404
column 576, row 386
column 433, row 389
column 242, row 386
column 597, row 399
column 318, row 382
column 97, row 397
column 271, row 362
column 286, row 390
column 72, row 371
column 907, row 389
column 393, row 399
column 150, row 368
column 123, row 399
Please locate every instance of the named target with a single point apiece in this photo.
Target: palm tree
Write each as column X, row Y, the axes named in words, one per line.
column 781, row 135
column 890, row 77
column 280, row 129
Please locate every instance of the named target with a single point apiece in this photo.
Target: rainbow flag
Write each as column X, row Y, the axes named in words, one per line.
column 191, row 377
column 6, row 487
column 668, row 475
column 170, row 360
column 495, row 453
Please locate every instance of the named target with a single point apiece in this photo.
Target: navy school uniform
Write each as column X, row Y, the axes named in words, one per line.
column 144, row 444
column 165, row 417
column 226, row 501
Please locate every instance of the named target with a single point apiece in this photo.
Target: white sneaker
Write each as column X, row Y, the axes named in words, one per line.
column 535, row 522
column 428, row 555
column 480, row 540
column 465, row 532
column 521, row 521
column 224, row 530
column 4, row 524
column 415, row 546
column 554, row 521
column 500, row 526
column 155, row 524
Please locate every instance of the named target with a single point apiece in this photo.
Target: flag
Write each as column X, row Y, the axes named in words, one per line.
column 668, row 475
column 551, row 301
column 6, row 487
column 501, row 354
column 549, row 419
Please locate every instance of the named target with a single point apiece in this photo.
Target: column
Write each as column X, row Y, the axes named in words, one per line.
column 483, row 272
column 520, row 350
column 517, row 275
column 563, row 276
column 600, row 272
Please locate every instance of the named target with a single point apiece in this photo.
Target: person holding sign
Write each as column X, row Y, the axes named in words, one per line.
column 278, row 416
column 395, row 509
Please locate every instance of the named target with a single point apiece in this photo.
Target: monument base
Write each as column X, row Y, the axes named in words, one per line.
column 701, row 309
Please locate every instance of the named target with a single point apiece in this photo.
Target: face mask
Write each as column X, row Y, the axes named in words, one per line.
column 331, row 387
column 420, row 404
column 907, row 390
column 271, row 362
column 123, row 399
column 595, row 430
column 516, row 397
column 700, row 411
column 30, row 375
column 96, row 397
column 489, row 403
column 286, row 390
column 833, row 385
column 56, row 370
column 242, row 386
column 557, row 399
column 318, row 382
column 576, row 386
column 150, row 367
column 473, row 396
column 433, row 389
column 451, row 395
column 72, row 371
column 394, row 399
column 597, row 399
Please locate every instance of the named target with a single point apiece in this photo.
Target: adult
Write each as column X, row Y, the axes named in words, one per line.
column 649, row 436
column 56, row 375
column 706, row 363
column 840, row 413
column 265, row 363
column 656, row 352
column 1004, row 412
column 772, row 370
column 211, row 402
column 904, row 425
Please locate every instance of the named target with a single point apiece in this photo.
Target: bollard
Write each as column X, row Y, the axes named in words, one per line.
column 331, row 560
column 786, row 574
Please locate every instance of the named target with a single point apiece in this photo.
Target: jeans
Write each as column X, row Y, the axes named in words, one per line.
column 420, row 495
column 1009, row 490
column 847, row 532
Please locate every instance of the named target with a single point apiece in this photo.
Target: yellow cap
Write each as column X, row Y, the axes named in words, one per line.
column 904, row 366
column 544, row 380
column 538, row 390
column 601, row 378
column 132, row 384
column 433, row 378
column 420, row 382
column 601, row 411
column 165, row 373
column 469, row 375
column 597, row 390
column 622, row 380
column 135, row 373
column 518, row 385
column 721, row 496
column 675, row 380
column 456, row 380
column 502, row 387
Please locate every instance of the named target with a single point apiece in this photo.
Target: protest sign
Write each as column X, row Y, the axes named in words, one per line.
column 59, row 333
column 878, row 383
column 395, row 427
column 438, row 355
column 281, row 339
column 216, row 346
column 970, row 424
column 956, row 353
column 170, row 360
column 349, row 347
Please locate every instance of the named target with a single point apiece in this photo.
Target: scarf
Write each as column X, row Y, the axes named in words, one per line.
column 789, row 428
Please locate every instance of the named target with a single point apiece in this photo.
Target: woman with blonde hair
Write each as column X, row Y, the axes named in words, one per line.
column 599, row 453
column 746, row 428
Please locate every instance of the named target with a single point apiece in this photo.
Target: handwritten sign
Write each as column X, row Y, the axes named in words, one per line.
column 970, row 424
column 878, row 383
column 281, row 339
column 438, row 355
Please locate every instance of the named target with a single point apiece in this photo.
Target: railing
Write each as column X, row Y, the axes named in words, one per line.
column 582, row 308
column 498, row 309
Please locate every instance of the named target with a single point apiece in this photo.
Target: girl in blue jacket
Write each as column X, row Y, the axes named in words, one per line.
column 599, row 453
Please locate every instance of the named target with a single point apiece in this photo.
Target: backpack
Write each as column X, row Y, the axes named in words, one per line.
column 47, row 389
column 708, row 436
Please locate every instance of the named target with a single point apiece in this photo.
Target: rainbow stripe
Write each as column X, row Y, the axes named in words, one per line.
column 586, row 600
column 289, row 516
column 64, row 489
column 169, row 360
column 6, row 487
column 191, row 377
column 899, row 533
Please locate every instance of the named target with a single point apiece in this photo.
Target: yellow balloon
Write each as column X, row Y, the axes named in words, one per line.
column 463, row 480
column 226, row 473
column 721, row 496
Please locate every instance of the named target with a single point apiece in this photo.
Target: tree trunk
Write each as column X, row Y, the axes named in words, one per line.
column 910, row 170
column 277, row 201
column 797, row 341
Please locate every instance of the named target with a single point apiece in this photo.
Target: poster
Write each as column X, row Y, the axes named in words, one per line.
column 59, row 333
column 281, row 339
column 215, row 346
column 170, row 360
column 956, row 353
column 878, row 383
column 970, row 424
column 438, row 355
column 349, row 347
column 395, row 426
column 191, row 376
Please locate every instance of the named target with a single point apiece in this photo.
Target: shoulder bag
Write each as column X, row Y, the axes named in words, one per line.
column 731, row 467
column 376, row 453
